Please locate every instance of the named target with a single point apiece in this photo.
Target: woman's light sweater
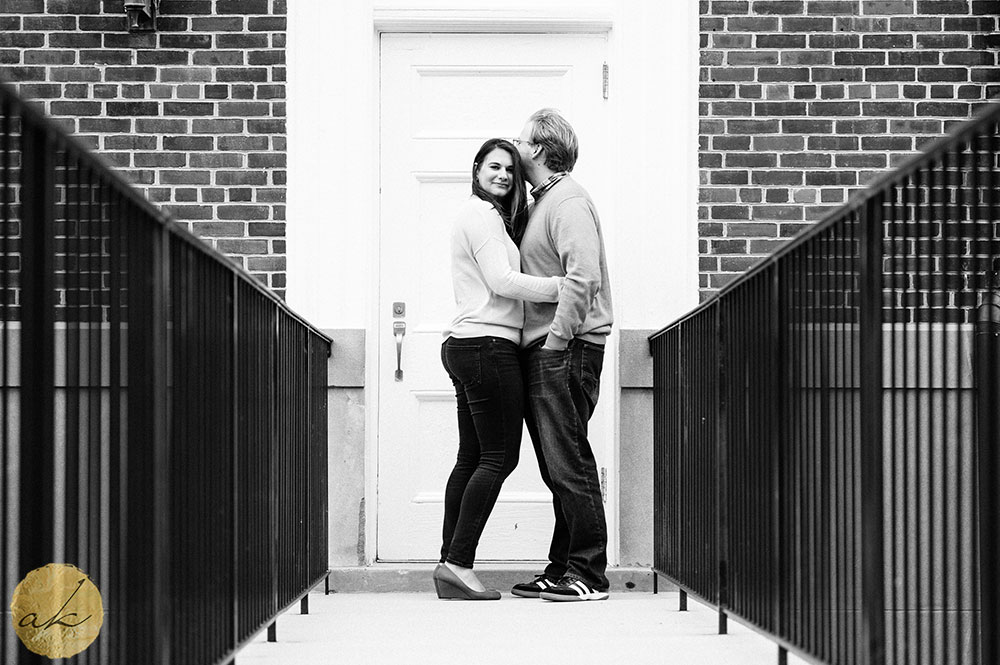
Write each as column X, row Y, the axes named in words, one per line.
column 485, row 269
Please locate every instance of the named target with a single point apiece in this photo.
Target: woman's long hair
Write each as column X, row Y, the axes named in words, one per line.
column 513, row 207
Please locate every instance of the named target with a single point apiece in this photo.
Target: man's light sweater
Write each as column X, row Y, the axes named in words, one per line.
column 564, row 238
column 485, row 271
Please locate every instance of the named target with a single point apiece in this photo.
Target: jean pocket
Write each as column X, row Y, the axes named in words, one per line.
column 591, row 361
column 552, row 357
column 465, row 363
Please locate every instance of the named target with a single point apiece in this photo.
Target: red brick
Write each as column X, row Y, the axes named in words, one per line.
column 74, row 40
column 218, row 24
column 188, row 108
column 217, row 161
column 49, row 57
column 267, row 24
column 861, row 160
column 890, row 41
column 185, row 177
column 931, row 74
column 75, row 7
column 807, row 25
column 817, row 57
column 886, row 7
column 24, row 6
column 243, row 177
column 130, row 142
column 242, row 41
column 832, row 7
column 133, row 108
column 21, row 40
column 162, row 57
column 242, row 7
column 883, row 74
column 130, row 74
column 942, row 7
column 752, row 24
column 268, row 229
column 802, row 161
column 105, row 57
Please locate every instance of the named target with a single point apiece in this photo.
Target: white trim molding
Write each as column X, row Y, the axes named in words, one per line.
column 558, row 20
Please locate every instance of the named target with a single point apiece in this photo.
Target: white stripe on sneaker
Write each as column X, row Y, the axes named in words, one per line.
column 580, row 587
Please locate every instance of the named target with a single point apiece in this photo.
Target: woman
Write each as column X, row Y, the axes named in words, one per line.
column 480, row 354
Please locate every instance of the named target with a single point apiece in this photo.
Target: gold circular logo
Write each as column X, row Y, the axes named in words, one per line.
column 57, row 611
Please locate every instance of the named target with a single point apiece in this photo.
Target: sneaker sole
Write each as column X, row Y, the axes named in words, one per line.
column 524, row 594
column 600, row 595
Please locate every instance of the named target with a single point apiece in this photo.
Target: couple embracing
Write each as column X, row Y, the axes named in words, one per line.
column 527, row 345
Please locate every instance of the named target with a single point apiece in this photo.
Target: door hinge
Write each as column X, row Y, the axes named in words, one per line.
column 604, row 484
column 605, row 74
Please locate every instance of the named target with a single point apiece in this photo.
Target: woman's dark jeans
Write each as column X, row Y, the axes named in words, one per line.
column 488, row 385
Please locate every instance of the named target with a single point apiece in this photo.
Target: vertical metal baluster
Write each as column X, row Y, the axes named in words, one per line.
column 911, row 445
column 776, row 290
column 72, row 314
column 801, row 475
column 826, row 617
column 37, row 435
column 232, row 602
column 950, row 366
column 987, row 427
column 7, row 316
column 832, row 454
column 928, row 314
column 969, row 206
column 897, row 387
column 717, row 410
column 872, row 459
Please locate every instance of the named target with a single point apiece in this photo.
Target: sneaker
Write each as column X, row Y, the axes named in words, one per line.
column 570, row 588
column 533, row 588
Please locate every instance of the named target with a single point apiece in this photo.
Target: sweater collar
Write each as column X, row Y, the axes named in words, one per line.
column 537, row 192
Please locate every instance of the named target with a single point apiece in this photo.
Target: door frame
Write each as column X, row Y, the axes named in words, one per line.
column 475, row 21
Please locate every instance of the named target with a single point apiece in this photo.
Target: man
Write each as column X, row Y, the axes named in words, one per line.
column 563, row 352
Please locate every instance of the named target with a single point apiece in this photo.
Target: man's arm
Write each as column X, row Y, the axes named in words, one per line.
column 576, row 240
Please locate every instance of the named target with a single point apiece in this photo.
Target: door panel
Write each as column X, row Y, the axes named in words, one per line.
column 441, row 96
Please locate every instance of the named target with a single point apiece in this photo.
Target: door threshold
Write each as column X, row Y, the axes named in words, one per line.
column 415, row 577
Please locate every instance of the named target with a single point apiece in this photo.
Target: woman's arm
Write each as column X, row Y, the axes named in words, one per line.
column 509, row 283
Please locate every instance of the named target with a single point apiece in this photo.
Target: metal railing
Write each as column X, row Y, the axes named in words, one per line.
column 826, row 466
column 165, row 415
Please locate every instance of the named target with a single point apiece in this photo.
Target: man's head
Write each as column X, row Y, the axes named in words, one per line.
column 548, row 140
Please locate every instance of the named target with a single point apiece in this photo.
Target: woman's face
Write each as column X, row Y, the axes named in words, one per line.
column 496, row 172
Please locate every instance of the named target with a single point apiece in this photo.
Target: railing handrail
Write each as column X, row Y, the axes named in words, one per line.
column 990, row 114
column 94, row 161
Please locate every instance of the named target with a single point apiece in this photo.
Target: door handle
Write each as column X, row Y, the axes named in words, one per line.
column 398, row 331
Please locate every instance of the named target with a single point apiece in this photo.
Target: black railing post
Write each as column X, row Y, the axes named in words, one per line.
column 872, row 530
column 722, row 459
column 234, row 406
column 37, row 456
column 986, row 364
column 158, row 363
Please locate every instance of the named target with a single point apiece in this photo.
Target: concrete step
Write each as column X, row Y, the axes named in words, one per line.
column 416, row 577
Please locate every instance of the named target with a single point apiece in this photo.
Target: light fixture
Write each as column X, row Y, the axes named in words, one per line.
column 140, row 15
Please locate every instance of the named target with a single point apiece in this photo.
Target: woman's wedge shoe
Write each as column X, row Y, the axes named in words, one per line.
column 450, row 586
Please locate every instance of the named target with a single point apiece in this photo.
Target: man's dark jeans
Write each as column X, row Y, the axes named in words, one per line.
column 486, row 373
column 562, row 389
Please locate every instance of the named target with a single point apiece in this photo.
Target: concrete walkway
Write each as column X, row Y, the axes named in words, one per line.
column 636, row 628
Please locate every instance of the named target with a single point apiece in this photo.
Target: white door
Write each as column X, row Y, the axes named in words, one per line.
column 441, row 96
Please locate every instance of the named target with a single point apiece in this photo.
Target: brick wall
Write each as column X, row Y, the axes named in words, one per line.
column 193, row 114
column 802, row 103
